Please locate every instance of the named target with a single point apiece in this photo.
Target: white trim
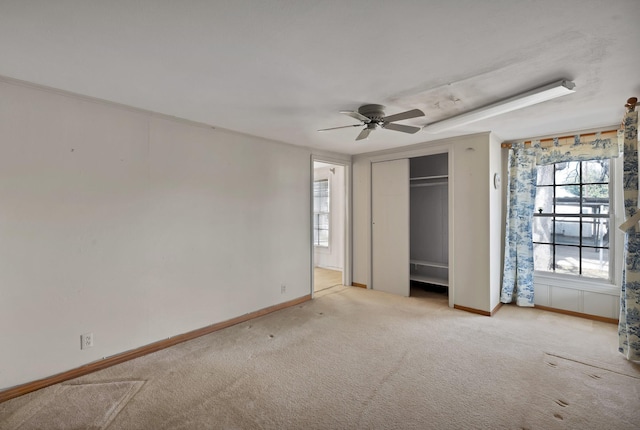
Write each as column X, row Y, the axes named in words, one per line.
column 576, row 283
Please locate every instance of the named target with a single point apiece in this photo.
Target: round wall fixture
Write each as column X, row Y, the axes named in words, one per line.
column 496, row 181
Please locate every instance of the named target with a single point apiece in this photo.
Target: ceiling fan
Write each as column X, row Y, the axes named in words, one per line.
column 372, row 117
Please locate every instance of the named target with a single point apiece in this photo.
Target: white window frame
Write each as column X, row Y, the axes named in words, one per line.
column 322, row 177
column 616, row 242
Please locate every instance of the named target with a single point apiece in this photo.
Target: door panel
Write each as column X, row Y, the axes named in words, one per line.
column 390, row 226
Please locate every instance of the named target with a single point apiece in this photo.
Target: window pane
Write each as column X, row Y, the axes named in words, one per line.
column 595, row 171
column 595, row 262
column 323, row 237
column 568, row 260
column 567, row 231
column 544, row 200
column 542, row 226
column 545, row 175
column 595, row 232
column 568, row 173
column 595, row 198
column 323, row 221
column 568, row 199
column 542, row 257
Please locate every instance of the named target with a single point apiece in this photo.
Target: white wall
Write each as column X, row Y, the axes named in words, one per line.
column 333, row 256
column 582, row 296
column 476, row 211
column 136, row 228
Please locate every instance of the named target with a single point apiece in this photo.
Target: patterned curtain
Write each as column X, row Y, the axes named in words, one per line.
column 518, row 255
column 629, row 325
column 518, row 252
column 578, row 150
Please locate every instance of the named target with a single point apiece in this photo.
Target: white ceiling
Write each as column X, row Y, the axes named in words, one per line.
column 282, row 69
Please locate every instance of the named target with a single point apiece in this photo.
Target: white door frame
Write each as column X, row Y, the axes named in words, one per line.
column 348, row 249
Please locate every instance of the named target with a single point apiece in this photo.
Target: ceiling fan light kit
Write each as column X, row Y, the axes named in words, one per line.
column 529, row 98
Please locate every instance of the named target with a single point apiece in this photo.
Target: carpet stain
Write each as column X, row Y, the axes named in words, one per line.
column 271, row 336
column 594, row 376
column 551, row 364
column 558, row 416
column 562, row 403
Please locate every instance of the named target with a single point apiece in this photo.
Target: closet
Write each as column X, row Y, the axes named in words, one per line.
column 429, row 219
column 436, row 221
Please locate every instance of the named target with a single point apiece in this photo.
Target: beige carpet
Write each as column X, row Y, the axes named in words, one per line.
column 361, row 359
column 74, row 406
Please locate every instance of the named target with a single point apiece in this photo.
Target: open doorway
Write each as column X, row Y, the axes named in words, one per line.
column 329, row 225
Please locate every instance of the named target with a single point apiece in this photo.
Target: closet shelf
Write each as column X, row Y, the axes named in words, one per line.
column 429, row 264
column 429, row 279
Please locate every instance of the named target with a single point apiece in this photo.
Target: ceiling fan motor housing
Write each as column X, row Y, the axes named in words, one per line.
column 373, row 112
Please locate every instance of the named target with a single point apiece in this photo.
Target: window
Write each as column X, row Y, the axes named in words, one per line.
column 321, row 213
column 572, row 219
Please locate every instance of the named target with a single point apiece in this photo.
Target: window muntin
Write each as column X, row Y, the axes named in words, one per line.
column 321, row 213
column 572, row 219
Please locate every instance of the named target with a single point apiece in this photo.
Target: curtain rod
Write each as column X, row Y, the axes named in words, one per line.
column 604, row 133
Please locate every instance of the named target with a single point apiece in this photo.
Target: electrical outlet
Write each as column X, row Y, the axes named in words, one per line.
column 283, row 289
column 86, row 340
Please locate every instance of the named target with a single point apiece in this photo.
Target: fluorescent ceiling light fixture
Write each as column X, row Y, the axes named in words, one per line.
column 539, row 95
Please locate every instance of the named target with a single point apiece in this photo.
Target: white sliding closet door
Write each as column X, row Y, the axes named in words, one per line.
column 390, row 226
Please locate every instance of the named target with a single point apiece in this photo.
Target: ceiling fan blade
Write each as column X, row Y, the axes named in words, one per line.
column 414, row 113
column 402, row 128
column 344, row 126
column 357, row 116
column 364, row 134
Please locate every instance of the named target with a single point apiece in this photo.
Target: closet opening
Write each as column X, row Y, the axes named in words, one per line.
column 429, row 227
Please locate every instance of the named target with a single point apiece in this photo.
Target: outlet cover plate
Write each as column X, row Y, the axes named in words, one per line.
column 86, row 340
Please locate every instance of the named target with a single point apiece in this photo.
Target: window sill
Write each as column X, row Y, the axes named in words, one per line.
column 571, row 282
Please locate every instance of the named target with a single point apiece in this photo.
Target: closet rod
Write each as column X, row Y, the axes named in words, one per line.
column 420, row 178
